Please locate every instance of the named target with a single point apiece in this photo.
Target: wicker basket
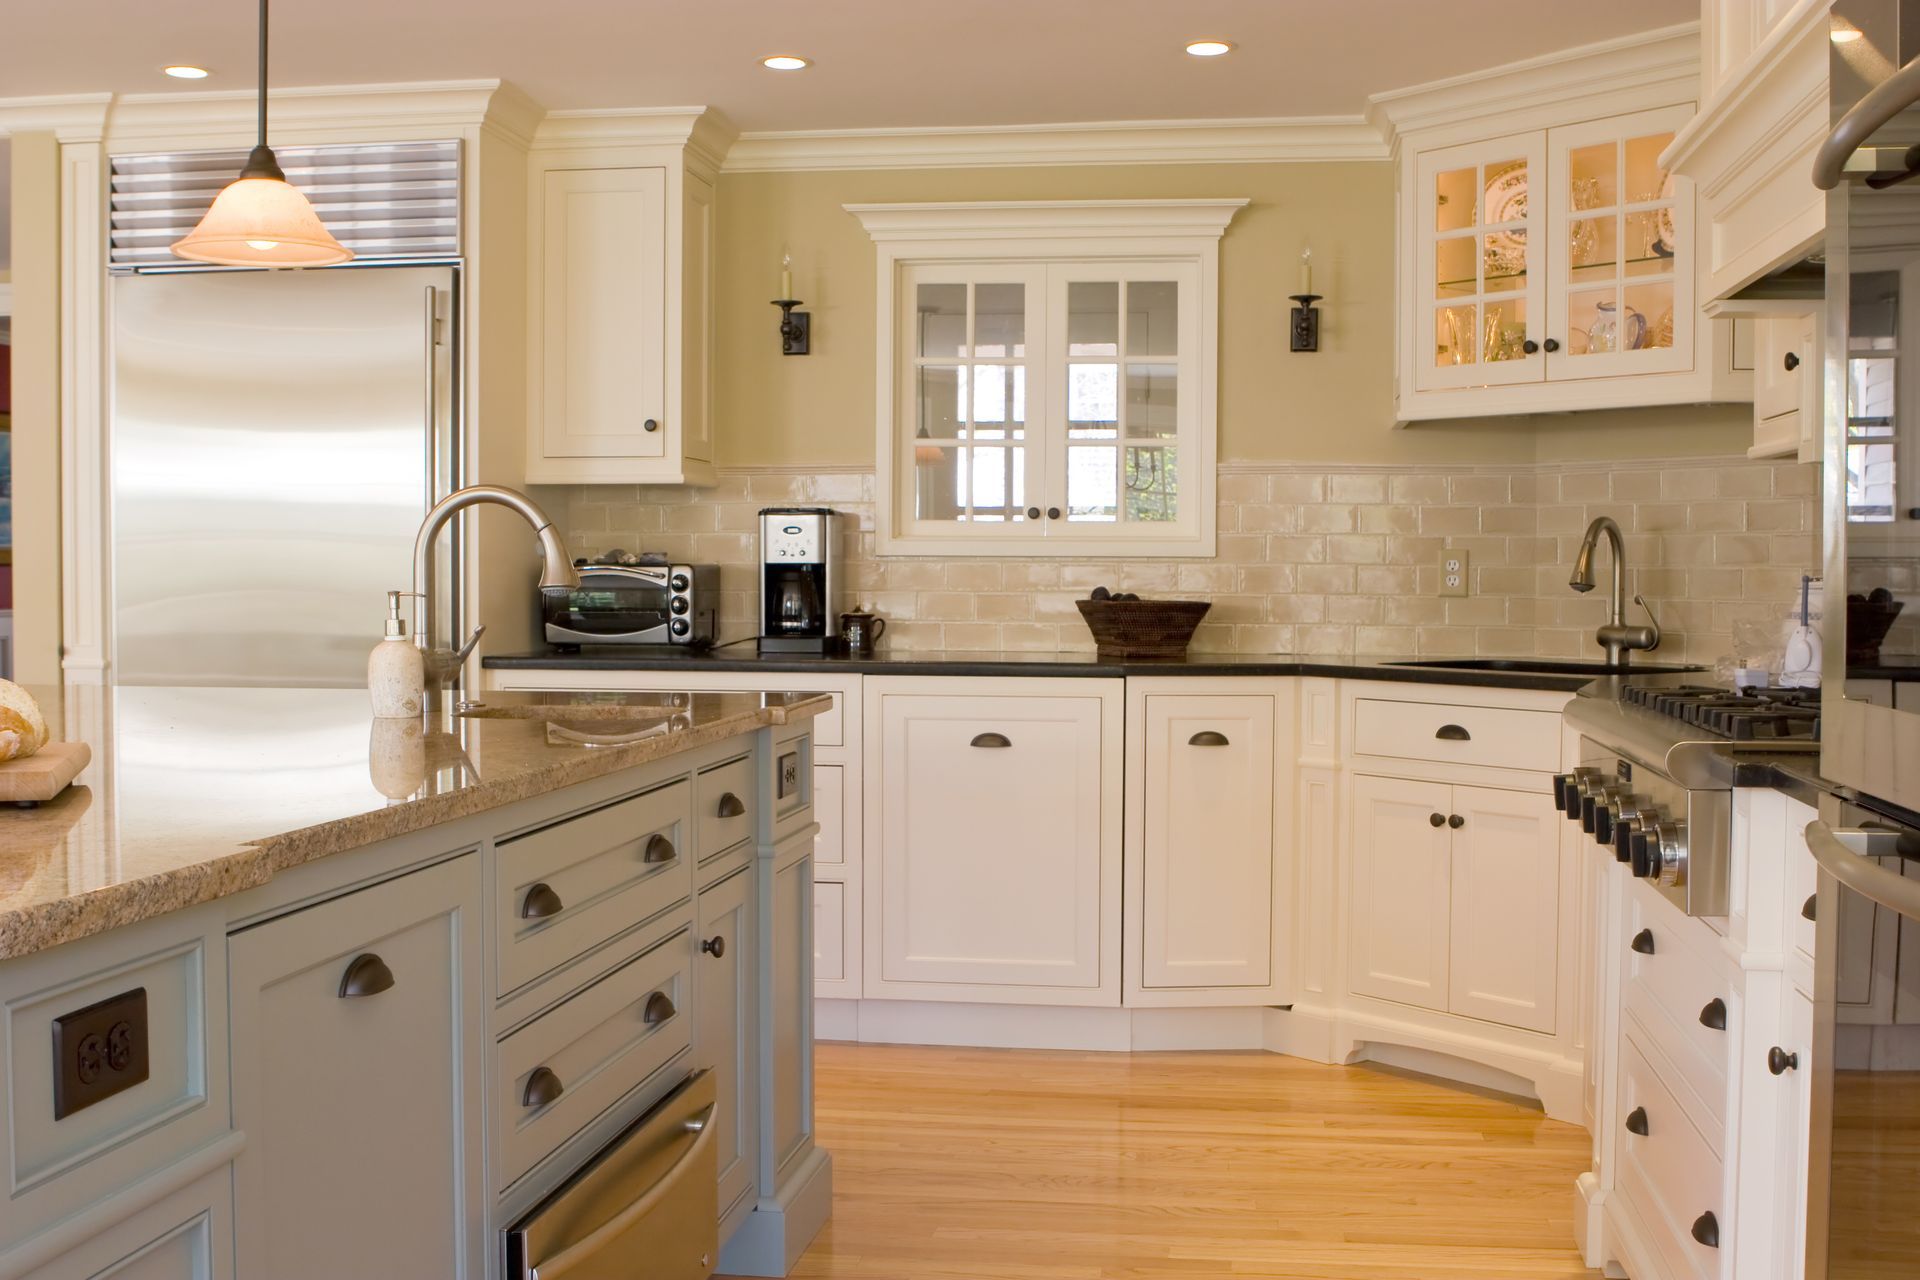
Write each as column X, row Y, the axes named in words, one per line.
column 1142, row 628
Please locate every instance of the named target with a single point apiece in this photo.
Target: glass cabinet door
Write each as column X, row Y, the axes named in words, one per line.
column 1477, row 263
column 973, row 368
column 1620, row 290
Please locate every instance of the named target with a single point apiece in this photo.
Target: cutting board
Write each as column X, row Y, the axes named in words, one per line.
column 44, row 774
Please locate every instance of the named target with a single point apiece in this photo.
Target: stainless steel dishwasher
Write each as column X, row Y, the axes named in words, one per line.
column 646, row 1204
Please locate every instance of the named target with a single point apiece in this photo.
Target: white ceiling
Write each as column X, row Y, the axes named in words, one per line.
column 902, row 63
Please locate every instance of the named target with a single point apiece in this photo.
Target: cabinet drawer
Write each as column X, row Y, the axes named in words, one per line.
column 829, row 931
column 567, row 888
column 1670, row 1175
column 829, row 810
column 1498, row 737
column 1666, row 994
column 570, row 1064
column 723, row 797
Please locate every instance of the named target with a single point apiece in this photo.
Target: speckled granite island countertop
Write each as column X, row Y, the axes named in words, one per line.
column 197, row 793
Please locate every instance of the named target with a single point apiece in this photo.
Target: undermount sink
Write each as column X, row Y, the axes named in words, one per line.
column 1547, row 667
column 565, row 711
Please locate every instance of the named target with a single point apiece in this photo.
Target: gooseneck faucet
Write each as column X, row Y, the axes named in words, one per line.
column 556, row 573
column 1614, row 635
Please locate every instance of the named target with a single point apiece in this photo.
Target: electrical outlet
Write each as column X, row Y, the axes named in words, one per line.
column 1453, row 573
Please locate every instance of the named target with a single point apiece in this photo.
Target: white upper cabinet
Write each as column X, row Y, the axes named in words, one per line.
column 620, row 300
column 1547, row 258
column 1047, row 376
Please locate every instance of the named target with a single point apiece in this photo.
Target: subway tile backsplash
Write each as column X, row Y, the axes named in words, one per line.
column 1310, row 559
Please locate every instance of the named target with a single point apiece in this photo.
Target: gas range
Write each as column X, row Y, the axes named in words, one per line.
column 1658, row 757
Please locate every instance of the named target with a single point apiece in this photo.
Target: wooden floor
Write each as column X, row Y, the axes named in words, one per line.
column 987, row 1164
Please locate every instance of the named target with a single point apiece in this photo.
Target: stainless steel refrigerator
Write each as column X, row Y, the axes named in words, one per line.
column 275, row 439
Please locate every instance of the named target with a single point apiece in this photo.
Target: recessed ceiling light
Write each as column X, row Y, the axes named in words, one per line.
column 186, row 73
column 1845, row 35
column 1209, row 48
column 785, row 62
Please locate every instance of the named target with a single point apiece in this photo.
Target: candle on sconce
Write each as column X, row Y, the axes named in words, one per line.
column 786, row 275
column 1306, row 269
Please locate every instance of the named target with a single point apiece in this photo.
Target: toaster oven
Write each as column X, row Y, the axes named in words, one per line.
column 675, row 604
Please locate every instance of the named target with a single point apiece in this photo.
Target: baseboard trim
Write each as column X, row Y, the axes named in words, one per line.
column 772, row 1238
column 999, row 1026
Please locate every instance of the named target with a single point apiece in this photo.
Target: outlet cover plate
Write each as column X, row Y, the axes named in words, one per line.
column 1454, row 570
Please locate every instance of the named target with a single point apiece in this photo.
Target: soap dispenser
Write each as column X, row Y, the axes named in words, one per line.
column 396, row 673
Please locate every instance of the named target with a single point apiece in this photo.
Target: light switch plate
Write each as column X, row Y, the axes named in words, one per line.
column 1453, row 573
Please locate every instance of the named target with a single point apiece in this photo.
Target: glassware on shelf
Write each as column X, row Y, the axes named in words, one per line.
column 1616, row 329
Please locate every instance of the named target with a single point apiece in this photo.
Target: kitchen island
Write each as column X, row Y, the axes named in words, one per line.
column 292, row 992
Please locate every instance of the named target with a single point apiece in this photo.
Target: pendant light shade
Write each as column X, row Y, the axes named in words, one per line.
column 260, row 219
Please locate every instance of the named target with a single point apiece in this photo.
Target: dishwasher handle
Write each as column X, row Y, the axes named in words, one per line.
column 584, row 1249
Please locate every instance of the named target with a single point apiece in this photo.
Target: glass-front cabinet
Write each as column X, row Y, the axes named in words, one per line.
column 1552, row 269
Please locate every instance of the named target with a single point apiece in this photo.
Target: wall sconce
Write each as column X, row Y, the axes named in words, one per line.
column 1304, row 329
column 796, row 327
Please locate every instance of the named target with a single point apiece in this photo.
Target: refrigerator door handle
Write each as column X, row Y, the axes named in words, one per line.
column 433, row 396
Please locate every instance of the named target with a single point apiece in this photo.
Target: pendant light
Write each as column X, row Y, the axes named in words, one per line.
column 261, row 220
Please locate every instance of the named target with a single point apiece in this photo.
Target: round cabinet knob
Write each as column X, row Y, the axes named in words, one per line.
column 1706, row 1229
column 1529, row 346
column 1053, row 513
column 1033, row 513
column 1779, row 1061
column 542, row 1087
column 1436, row 819
column 1792, row 362
column 651, row 424
column 715, row 946
column 1455, row 821
column 1551, row 344
column 679, row 582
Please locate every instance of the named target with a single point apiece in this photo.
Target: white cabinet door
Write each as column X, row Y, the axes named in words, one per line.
column 356, row 1068
column 788, row 1021
column 1793, row 1092
column 1206, row 912
column 1401, row 886
column 724, row 981
column 1478, row 283
column 1505, row 906
column 184, row 1236
column 602, row 311
column 998, row 853
column 1785, row 388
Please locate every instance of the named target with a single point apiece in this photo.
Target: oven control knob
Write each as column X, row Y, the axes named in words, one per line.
column 1623, row 833
column 678, row 604
column 1670, row 862
column 679, row 582
column 680, row 626
column 1640, row 849
column 1568, row 787
column 1604, row 823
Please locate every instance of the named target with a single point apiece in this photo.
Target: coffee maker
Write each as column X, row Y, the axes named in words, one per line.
column 799, row 581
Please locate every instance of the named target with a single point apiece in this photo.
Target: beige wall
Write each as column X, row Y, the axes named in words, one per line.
column 1333, row 406
column 36, row 407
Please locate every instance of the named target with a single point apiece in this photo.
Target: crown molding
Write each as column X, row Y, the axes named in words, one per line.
column 1269, row 141
column 1781, row 81
column 1667, row 59
column 78, row 117
column 1046, row 219
column 703, row 130
column 329, row 112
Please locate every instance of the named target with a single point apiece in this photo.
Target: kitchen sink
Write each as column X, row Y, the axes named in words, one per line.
column 565, row 711
column 1548, row 667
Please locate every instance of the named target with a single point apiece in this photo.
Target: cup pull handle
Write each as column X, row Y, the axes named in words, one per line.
column 1643, row 942
column 1207, row 738
column 367, row 975
column 991, row 740
column 1706, row 1229
column 1714, row 1015
column 1452, row 733
column 659, row 1009
column 1806, row 908
column 1637, row 1122
column 730, row 806
column 541, row 901
column 543, row 1087
column 659, row 849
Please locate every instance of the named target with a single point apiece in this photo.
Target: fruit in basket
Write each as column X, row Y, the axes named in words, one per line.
column 23, row 730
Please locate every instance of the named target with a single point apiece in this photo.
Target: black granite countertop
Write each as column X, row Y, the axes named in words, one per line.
column 932, row 662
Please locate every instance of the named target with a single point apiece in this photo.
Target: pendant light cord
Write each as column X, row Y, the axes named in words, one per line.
column 263, row 72
column 261, row 163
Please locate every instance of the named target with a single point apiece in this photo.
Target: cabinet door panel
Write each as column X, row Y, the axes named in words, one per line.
column 1207, row 891
column 992, row 858
column 184, row 1236
column 603, row 353
column 1401, row 886
column 789, row 1057
column 724, row 1003
column 1505, row 907
column 362, row 1152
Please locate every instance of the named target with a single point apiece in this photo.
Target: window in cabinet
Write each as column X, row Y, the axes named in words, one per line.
column 1048, row 394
